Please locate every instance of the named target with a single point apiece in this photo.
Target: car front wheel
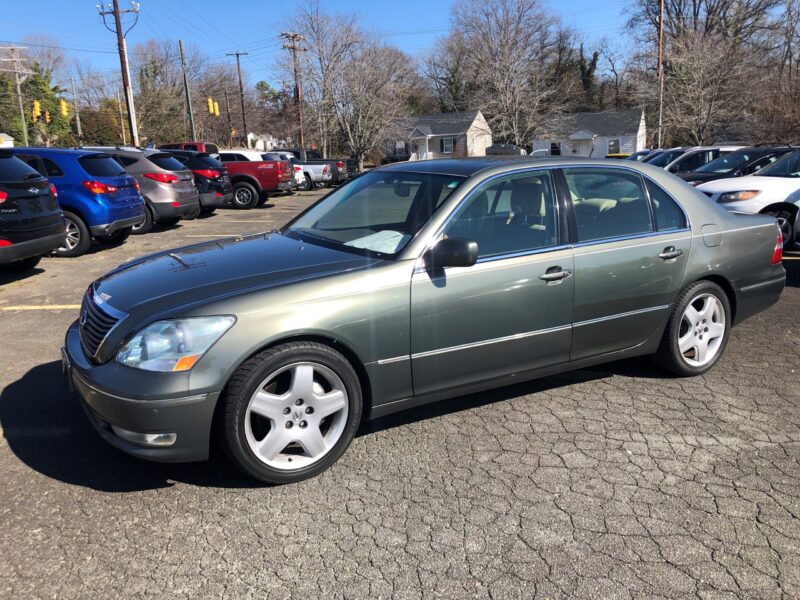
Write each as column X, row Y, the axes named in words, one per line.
column 697, row 330
column 290, row 412
column 786, row 224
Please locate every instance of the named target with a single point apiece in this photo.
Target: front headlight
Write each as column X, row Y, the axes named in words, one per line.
column 738, row 196
column 173, row 345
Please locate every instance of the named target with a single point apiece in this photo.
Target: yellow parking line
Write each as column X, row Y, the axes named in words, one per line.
column 40, row 307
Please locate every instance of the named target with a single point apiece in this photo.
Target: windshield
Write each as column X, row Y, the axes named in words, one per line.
column 727, row 163
column 788, row 166
column 666, row 157
column 378, row 213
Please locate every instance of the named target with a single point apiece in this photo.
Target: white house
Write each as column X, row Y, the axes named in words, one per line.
column 597, row 134
column 444, row 135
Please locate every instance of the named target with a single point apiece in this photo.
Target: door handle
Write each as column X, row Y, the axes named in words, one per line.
column 670, row 252
column 554, row 274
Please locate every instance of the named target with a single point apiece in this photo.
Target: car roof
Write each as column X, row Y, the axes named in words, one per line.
column 76, row 152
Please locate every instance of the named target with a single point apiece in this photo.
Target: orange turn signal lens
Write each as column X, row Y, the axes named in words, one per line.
column 186, row 362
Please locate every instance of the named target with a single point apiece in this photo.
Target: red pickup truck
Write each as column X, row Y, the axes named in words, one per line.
column 254, row 178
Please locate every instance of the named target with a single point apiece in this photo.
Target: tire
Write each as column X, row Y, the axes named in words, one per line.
column 245, row 195
column 78, row 241
column 191, row 216
column 207, row 212
column 786, row 224
column 171, row 222
column 702, row 333
column 21, row 266
column 117, row 237
column 145, row 226
column 306, row 185
column 263, row 198
column 293, row 420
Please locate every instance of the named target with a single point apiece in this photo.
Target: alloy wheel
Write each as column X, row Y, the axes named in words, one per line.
column 296, row 416
column 785, row 225
column 73, row 237
column 702, row 330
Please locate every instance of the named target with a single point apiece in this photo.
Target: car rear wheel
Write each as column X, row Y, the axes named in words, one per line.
column 245, row 195
column 117, row 237
column 786, row 224
column 191, row 216
column 290, row 412
column 21, row 266
column 145, row 226
column 78, row 240
column 306, row 185
column 697, row 331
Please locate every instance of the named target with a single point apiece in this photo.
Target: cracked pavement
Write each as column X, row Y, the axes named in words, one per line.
column 610, row 482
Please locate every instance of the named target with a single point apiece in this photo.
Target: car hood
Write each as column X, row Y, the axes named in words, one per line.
column 751, row 182
column 213, row 270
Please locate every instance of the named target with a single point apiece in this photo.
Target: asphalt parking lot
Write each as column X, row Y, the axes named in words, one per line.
column 611, row 482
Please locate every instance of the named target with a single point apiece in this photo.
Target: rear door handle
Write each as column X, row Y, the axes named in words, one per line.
column 555, row 274
column 669, row 253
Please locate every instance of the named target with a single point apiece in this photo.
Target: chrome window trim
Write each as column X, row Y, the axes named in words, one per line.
column 523, row 253
column 629, row 313
column 431, row 242
column 633, row 236
column 506, row 338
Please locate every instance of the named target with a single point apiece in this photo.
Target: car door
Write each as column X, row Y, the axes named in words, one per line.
column 632, row 245
column 512, row 311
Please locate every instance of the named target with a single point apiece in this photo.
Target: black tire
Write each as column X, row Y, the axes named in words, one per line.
column 117, row 237
column 786, row 222
column 306, row 185
column 191, row 216
column 77, row 234
column 21, row 266
column 230, row 422
column 171, row 222
column 145, row 226
column 669, row 356
column 245, row 195
column 207, row 212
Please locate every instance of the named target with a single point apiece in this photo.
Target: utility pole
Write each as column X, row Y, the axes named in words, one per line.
column 186, row 89
column 237, row 54
column 77, row 111
column 121, row 122
column 294, row 38
column 16, row 60
column 113, row 9
column 660, row 68
column 228, row 116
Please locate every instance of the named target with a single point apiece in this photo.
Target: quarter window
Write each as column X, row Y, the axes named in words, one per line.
column 608, row 203
column 516, row 213
column 668, row 214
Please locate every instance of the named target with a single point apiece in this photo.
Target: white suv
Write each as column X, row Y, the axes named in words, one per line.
column 774, row 191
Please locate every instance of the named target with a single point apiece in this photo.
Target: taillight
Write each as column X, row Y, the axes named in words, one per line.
column 175, row 204
column 340, row 164
column 162, row 177
column 207, row 173
column 3, row 197
column 98, row 187
column 326, row 168
column 54, row 191
column 5, row 243
column 298, row 168
column 777, row 253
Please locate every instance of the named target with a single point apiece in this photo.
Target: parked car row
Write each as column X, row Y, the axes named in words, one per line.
column 761, row 179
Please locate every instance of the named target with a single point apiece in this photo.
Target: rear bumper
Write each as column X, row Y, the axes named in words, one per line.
column 211, row 200
column 753, row 299
column 108, row 228
column 35, row 247
column 166, row 210
column 112, row 412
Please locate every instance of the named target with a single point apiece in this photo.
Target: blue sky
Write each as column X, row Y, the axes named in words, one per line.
column 218, row 26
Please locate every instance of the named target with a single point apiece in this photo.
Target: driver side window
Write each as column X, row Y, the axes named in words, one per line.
column 515, row 213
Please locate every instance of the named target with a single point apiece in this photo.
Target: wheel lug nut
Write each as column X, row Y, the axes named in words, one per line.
column 289, row 424
column 303, row 424
column 309, row 410
column 287, row 410
column 706, row 329
column 299, row 401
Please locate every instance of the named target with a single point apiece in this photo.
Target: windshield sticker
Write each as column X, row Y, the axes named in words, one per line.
column 386, row 242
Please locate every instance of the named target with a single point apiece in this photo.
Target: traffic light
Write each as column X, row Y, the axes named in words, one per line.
column 216, row 108
column 64, row 108
column 210, row 106
column 47, row 117
column 36, row 111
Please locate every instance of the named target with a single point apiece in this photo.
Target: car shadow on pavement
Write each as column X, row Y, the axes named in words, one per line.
column 8, row 277
column 46, row 428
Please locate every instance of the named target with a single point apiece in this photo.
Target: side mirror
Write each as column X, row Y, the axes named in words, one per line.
column 453, row 252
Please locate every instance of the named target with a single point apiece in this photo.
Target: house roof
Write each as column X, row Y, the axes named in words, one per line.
column 444, row 123
column 610, row 122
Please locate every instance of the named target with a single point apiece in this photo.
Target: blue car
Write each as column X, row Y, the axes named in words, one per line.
column 99, row 199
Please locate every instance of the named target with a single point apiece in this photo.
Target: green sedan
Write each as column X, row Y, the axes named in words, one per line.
column 412, row 283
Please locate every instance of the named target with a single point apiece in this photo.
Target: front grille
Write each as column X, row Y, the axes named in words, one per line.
column 95, row 324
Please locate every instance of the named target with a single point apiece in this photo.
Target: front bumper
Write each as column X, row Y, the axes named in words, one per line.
column 188, row 416
column 108, row 228
column 35, row 247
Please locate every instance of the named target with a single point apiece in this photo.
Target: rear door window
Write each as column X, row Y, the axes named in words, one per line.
column 34, row 162
column 206, row 162
column 101, row 165
column 53, row 170
column 166, row 161
column 13, row 169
